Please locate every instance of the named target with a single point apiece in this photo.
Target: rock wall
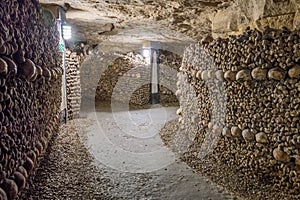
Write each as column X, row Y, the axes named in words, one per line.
column 239, row 107
column 30, row 89
column 73, row 84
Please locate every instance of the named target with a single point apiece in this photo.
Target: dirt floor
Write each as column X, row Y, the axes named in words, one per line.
column 78, row 164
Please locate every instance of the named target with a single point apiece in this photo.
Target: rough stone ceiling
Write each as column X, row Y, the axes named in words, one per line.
column 179, row 20
column 135, row 20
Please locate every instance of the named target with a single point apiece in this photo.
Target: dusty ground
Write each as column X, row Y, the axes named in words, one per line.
column 67, row 172
column 72, row 170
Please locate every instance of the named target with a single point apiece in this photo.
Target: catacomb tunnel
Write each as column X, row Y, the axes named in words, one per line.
column 149, row 99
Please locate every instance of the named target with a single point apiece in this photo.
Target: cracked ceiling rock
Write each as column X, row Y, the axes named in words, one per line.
column 296, row 23
column 94, row 32
column 256, row 14
column 107, row 28
column 194, row 18
column 190, row 18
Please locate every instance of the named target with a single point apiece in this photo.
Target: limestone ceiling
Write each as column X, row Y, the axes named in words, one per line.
column 97, row 20
column 178, row 20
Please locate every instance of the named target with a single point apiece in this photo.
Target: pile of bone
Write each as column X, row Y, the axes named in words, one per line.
column 25, row 38
column 245, row 92
column 122, row 78
column 30, row 91
column 169, row 62
column 270, row 49
column 28, row 118
column 73, row 84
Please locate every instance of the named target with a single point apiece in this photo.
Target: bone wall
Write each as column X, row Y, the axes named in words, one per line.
column 239, row 107
column 73, row 84
column 172, row 62
column 124, row 81
column 30, row 89
column 125, row 77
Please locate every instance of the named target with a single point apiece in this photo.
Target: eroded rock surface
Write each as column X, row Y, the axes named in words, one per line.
column 96, row 20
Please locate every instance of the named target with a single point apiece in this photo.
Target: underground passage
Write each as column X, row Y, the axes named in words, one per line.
column 149, row 100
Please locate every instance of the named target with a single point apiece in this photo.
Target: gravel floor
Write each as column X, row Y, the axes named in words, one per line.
column 69, row 171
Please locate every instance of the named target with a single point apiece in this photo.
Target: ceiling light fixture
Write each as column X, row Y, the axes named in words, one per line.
column 67, row 32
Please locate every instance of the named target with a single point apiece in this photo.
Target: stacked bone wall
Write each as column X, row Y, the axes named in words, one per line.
column 123, row 81
column 128, row 81
column 172, row 61
column 73, row 84
column 30, row 91
column 240, row 101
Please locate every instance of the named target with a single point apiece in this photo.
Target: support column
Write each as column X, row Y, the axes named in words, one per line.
column 154, row 84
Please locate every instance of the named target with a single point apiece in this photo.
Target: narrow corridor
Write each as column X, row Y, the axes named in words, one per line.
column 73, row 169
